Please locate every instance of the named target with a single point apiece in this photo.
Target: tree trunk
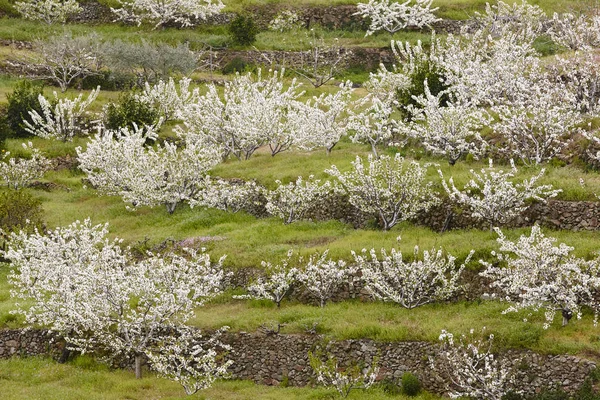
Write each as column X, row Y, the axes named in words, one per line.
column 138, row 366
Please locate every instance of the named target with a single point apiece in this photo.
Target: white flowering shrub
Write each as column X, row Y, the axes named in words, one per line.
column 493, row 196
column 343, row 380
column 120, row 163
column 161, row 12
column 534, row 273
column 250, row 113
column 581, row 32
column 167, row 99
column 471, row 367
column 580, row 75
column 392, row 16
column 230, row 196
column 290, row 202
column 322, row 121
column 428, row 278
column 374, row 125
column 539, row 126
column 322, row 277
column 524, row 21
column 451, row 130
column 286, row 20
column 191, row 359
column 17, row 173
column 48, row 11
column 322, row 61
column 387, row 187
column 276, row 284
column 95, row 294
column 63, row 121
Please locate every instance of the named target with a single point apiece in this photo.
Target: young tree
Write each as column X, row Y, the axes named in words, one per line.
column 64, row 59
column 226, row 195
column 374, row 125
column 276, row 284
column 78, row 283
column 389, row 188
column 540, row 125
column 472, row 368
column 432, row 277
column 159, row 13
column 580, row 32
column 322, row 62
column 322, row 277
column 493, row 197
column 343, row 380
column 536, row 274
column 250, row 114
column 166, row 99
column 17, row 173
column 62, row 119
column 48, row 11
column 451, row 129
column 120, row 163
column 290, row 202
column 286, row 20
column 392, row 16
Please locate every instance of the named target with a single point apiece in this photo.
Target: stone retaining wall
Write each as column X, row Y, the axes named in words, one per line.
column 271, row 359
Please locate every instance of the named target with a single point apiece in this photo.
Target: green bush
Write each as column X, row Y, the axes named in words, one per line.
column 109, row 80
column 19, row 210
column 243, row 30
column 411, row 386
column 24, row 98
column 238, row 64
column 435, row 81
column 128, row 111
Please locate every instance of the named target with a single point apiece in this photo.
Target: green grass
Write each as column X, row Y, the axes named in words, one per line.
column 42, row 378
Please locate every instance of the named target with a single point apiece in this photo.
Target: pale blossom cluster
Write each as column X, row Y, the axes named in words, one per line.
column 227, row 195
column 168, row 98
column 278, row 281
column 48, row 11
column 17, row 173
column 392, row 16
column 389, row 188
column 471, row 367
column 374, row 125
column 536, row 274
column 64, row 120
column 79, row 283
column 427, row 278
column 323, row 277
column 120, row 163
column 291, row 202
column 161, row 12
column 576, row 32
column 494, row 197
column 286, row 20
column 343, row 379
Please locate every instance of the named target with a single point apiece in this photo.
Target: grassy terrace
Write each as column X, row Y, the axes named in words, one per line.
column 39, row 378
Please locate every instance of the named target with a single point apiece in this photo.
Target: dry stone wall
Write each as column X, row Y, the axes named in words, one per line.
column 272, row 359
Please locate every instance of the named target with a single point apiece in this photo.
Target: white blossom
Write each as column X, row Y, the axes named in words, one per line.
column 374, row 125
column 322, row 277
column 580, row 32
column 344, row 380
column 166, row 99
column 494, row 197
column 389, row 188
column 17, row 173
column 290, row 202
column 286, row 20
column 432, row 277
column 63, row 121
column 48, row 11
column 392, row 16
column 537, row 274
column 160, row 12
column 120, row 163
column 226, row 195
column 77, row 282
column 472, row 368
column 277, row 282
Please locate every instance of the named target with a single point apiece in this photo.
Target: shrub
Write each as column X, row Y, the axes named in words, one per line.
column 238, row 64
column 109, row 80
column 411, row 386
column 24, row 98
column 243, row 30
column 127, row 111
column 19, row 210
